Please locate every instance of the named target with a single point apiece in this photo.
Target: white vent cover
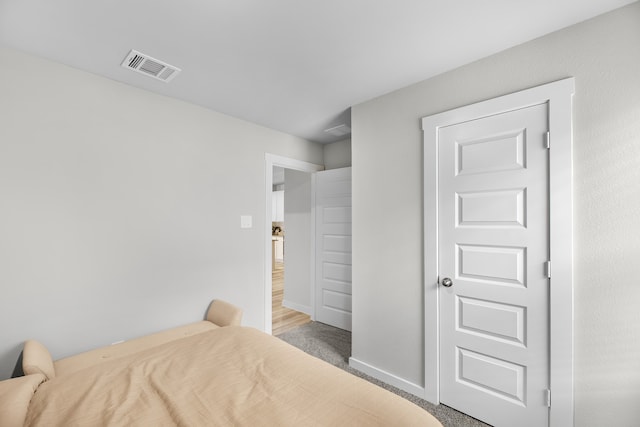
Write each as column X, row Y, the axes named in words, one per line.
column 149, row 66
column 340, row 130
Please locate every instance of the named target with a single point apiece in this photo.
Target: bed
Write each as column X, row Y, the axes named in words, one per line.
column 216, row 374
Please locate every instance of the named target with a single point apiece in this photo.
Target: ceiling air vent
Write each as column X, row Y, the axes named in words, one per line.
column 149, row 66
column 340, row 130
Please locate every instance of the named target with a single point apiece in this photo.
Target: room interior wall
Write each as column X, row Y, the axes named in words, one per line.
column 121, row 209
column 388, row 317
column 337, row 154
column 297, row 241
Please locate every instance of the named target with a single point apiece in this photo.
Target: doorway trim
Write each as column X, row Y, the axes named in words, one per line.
column 559, row 97
column 272, row 160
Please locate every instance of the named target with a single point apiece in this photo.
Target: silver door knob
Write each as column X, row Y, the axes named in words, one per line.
column 446, row 282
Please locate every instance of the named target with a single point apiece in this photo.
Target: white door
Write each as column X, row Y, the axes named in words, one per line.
column 333, row 248
column 493, row 226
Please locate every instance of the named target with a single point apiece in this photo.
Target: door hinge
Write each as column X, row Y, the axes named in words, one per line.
column 547, row 140
column 548, row 393
column 547, row 269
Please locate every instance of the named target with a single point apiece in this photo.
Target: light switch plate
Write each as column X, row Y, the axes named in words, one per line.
column 246, row 221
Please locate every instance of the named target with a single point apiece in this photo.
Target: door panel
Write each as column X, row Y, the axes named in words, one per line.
column 492, row 208
column 494, row 153
column 492, row 376
column 495, row 264
column 492, row 320
column 333, row 248
column 336, row 300
column 493, row 231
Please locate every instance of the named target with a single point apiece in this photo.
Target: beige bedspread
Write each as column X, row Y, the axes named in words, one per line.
column 232, row 376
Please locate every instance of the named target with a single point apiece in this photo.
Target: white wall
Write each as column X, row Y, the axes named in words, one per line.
column 603, row 56
column 337, row 154
column 120, row 209
column 297, row 241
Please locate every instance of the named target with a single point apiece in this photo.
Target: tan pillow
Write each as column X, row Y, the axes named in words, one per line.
column 224, row 314
column 36, row 359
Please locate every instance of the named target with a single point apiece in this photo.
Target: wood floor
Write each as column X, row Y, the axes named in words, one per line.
column 283, row 318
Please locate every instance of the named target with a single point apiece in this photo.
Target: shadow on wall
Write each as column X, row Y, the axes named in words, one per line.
column 17, row 371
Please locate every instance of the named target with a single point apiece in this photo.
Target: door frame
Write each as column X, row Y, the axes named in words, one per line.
column 270, row 161
column 558, row 95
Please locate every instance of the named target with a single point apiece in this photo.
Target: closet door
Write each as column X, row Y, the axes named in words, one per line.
column 333, row 248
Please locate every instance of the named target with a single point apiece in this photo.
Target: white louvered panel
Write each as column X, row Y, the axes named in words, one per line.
column 149, row 66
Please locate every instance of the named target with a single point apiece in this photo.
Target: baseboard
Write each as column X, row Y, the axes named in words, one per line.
column 297, row 307
column 386, row 377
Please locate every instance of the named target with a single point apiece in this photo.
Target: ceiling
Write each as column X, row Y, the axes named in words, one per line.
column 292, row 65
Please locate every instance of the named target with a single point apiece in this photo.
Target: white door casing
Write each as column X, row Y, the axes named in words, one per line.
column 493, row 246
column 333, row 248
column 486, row 330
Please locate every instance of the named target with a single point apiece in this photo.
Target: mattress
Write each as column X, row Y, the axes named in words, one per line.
column 231, row 376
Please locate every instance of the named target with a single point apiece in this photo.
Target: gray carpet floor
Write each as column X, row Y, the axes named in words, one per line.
column 333, row 345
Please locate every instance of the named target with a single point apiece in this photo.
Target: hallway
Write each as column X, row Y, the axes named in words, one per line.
column 283, row 319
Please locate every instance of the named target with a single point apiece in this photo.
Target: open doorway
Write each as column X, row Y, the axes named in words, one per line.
column 291, row 229
column 289, row 269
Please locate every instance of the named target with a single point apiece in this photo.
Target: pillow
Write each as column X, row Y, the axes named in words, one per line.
column 222, row 313
column 36, row 359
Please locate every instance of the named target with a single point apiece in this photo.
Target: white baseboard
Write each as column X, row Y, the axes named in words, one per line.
column 297, row 307
column 386, row 377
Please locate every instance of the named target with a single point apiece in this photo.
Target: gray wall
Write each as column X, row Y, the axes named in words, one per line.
column 602, row 54
column 337, row 154
column 120, row 209
column 297, row 240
